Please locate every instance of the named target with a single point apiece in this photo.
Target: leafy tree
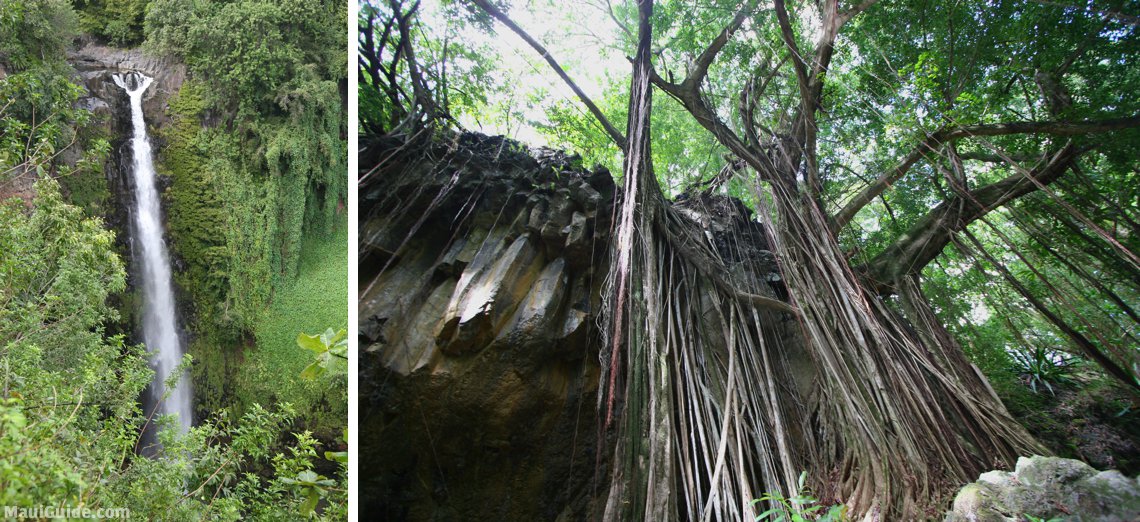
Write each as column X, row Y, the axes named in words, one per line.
column 34, row 31
column 250, row 50
column 257, row 153
column 61, row 374
column 40, row 123
column 119, row 21
column 70, row 392
column 59, row 268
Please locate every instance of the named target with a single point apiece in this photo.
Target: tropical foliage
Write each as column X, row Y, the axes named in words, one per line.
column 118, row 21
column 258, row 174
column 70, row 392
column 252, row 189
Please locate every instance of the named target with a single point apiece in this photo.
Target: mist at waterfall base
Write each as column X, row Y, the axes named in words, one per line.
column 152, row 263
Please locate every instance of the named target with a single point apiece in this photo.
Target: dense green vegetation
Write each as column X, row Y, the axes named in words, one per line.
column 248, row 191
column 70, row 415
column 118, row 21
column 971, row 167
column 309, row 304
column 255, row 151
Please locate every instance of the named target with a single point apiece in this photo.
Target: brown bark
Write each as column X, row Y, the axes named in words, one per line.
column 643, row 475
column 932, row 142
column 924, row 241
column 895, row 417
column 898, row 432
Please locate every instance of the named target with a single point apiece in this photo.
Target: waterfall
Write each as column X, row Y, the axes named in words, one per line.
column 160, row 324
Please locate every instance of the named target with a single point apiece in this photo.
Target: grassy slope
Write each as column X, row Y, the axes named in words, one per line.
column 317, row 300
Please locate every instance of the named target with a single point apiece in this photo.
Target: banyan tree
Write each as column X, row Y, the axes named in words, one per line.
column 875, row 144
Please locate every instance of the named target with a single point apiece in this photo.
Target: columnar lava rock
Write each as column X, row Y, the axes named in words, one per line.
column 481, row 268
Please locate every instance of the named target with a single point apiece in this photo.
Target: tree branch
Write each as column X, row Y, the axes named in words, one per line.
column 847, row 15
column 615, row 135
column 704, row 60
column 798, row 62
column 989, row 157
column 419, row 86
column 707, row 118
column 688, row 94
column 925, row 239
column 931, row 143
column 810, row 85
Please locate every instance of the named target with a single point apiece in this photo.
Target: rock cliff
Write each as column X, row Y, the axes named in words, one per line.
column 480, row 275
column 95, row 65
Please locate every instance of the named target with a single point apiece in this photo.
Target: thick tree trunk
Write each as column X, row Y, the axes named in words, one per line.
column 485, row 293
column 642, row 486
column 895, row 417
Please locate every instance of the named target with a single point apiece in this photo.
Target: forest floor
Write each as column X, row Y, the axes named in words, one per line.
column 1087, row 417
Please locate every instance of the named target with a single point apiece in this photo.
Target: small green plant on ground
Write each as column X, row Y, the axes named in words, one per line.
column 1043, row 367
column 799, row 508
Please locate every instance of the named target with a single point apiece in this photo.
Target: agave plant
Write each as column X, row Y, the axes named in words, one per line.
column 1043, row 367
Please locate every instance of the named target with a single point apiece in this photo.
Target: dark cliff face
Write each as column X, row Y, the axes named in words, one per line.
column 95, row 67
column 481, row 270
column 479, row 347
column 96, row 63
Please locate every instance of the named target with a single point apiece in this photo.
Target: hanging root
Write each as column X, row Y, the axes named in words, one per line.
column 904, row 414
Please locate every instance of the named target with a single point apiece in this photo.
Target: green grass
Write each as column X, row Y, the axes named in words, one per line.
column 315, row 301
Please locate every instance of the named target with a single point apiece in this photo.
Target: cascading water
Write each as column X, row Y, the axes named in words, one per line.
column 160, row 325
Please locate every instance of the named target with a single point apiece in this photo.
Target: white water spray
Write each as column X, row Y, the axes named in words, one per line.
column 160, row 325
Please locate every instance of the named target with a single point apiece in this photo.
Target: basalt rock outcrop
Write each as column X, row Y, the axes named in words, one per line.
column 95, row 64
column 481, row 269
column 95, row 67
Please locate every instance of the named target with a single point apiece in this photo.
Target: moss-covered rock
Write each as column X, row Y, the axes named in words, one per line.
column 1048, row 488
